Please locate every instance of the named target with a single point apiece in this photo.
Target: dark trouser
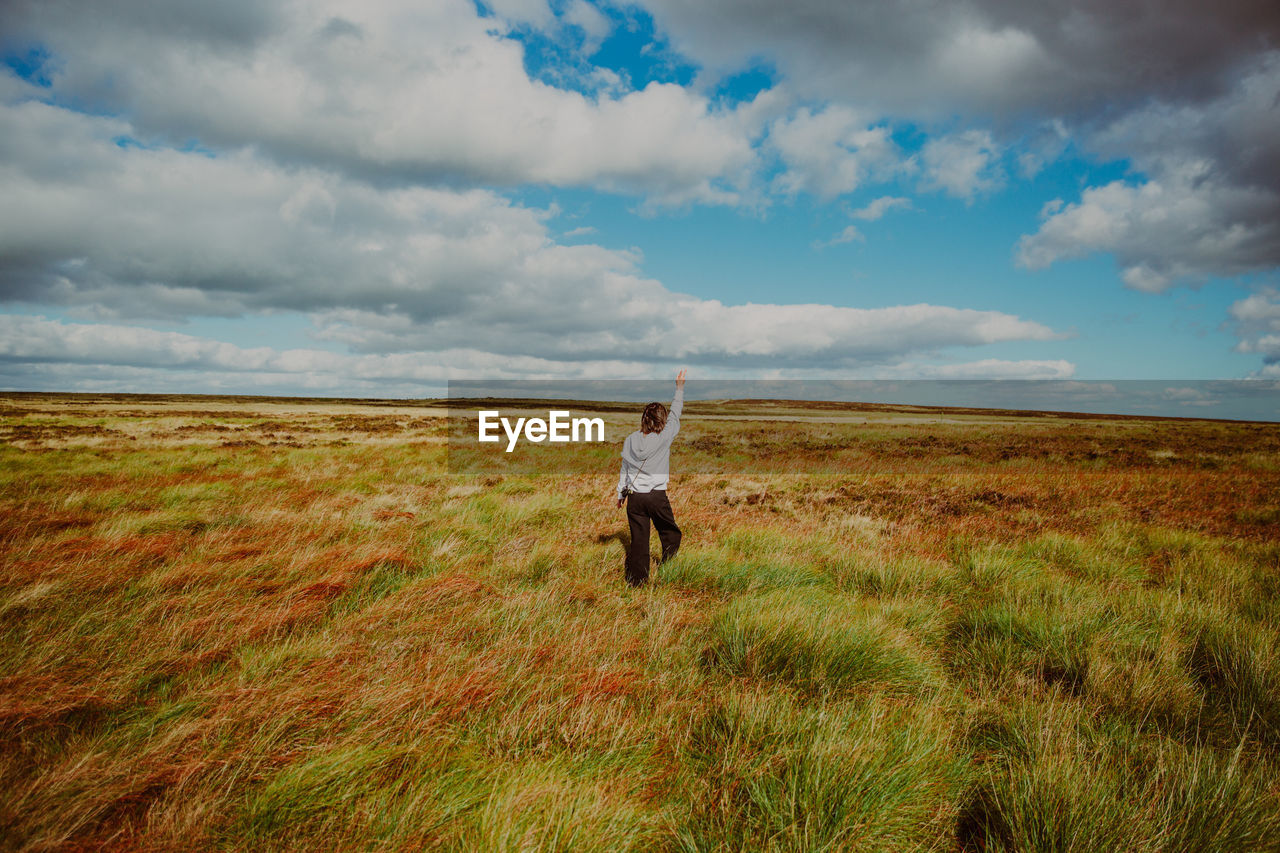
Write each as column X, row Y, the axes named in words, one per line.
column 641, row 508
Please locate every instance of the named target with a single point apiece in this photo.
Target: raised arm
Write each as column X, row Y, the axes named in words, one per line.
column 677, row 406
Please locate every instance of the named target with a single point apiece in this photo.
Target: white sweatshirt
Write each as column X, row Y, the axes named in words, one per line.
column 646, row 459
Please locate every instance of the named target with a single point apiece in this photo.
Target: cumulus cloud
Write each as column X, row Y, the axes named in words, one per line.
column 962, row 165
column 172, row 234
column 1257, row 324
column 390, row 90
column 348, row 162
column 1184, row 91
column 869, row 213
column 831, row 151
column 37, row 352
column 981, row 57
column 659, row 326
column 1211, row 206
column 880, row 206
column 109, row 356
column 594, row 24
column 162, row 232
column 1186, row 225
column 787, row 332
column 534, row 13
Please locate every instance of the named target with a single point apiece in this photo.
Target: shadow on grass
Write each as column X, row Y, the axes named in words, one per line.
column 621, row 536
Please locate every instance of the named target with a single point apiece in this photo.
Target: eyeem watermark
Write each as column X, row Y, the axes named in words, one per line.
column 559, row 427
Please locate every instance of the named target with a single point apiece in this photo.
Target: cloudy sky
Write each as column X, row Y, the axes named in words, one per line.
column 370, row 198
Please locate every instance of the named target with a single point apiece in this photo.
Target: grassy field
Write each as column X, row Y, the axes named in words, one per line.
column 254, row 624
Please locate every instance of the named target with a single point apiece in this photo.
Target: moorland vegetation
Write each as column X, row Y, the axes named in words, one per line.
column 256, row 624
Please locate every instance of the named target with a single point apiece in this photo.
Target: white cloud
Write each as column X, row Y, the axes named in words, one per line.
column 143, row 358
column 164, row 233
column 1186, row 225
column 36, row 352
column 1185, row 92
column 1210, row 206
column 400, row 90
column 848, row 234
column 831, row 151
column 879, row 207
column 660, row 326
column 595, row 25
column 870, row 213
column 963, row 165
column 1257, row 324
column 358, row 153
column 1042, row 145
column 535, row 13
column 790, row 332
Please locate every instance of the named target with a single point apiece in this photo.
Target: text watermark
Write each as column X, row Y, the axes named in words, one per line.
column 558, row 427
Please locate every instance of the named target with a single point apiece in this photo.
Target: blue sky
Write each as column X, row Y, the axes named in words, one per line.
column 320, row 198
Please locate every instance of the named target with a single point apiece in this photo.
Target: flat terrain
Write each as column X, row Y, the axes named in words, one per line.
column 287, row 624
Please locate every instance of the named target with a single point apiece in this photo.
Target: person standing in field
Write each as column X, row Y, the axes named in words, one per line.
column 642, row 483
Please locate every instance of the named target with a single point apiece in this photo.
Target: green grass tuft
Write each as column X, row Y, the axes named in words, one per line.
column 819, row 642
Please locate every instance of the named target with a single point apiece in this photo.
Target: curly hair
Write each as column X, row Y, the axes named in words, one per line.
column 654, row 418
